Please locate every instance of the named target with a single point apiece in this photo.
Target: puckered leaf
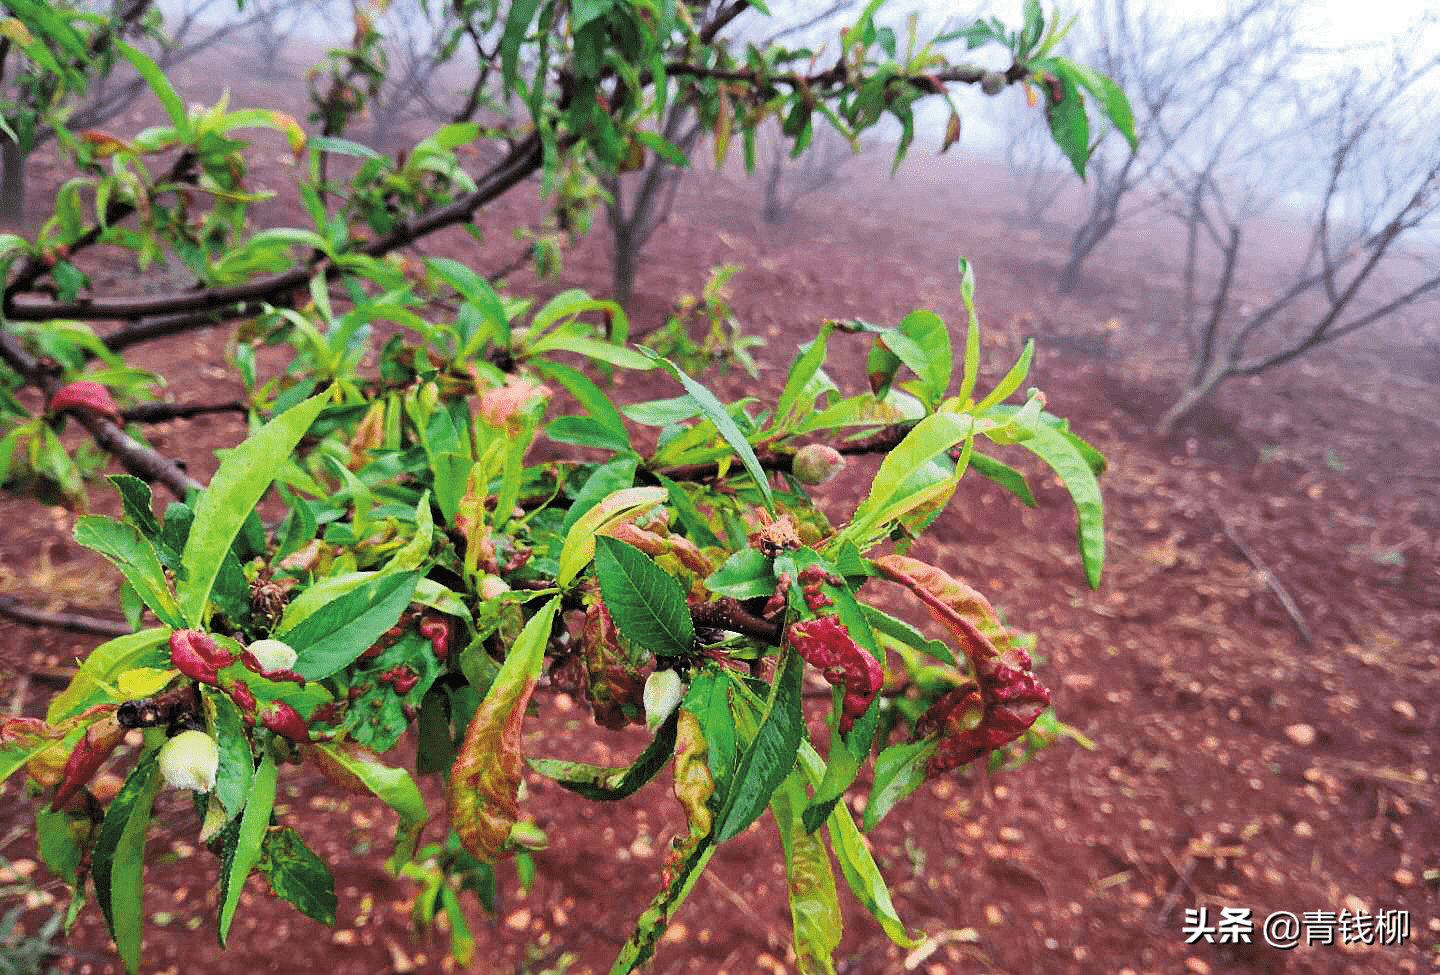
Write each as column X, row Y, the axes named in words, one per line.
column 484, row 795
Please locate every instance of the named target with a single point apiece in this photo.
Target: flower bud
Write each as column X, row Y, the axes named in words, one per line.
column 817, row 463
column 190, row 760
column 663, row 691
column 992, row 82
column 273, row 655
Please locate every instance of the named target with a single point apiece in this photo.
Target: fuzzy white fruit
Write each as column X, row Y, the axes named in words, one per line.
column 663, row 692
column 273, row 655
column 190, row 760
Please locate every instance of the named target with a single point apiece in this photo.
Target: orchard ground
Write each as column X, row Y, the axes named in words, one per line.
column 1234, row 766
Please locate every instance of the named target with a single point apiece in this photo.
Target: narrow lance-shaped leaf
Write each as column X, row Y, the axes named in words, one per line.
column 716, row 413
column 239, row 483
column 1074, row 470
column 119, row 858
column 243, row 853
column 644, row 600
column 810, row 883
column 485, row 779
column 598, row 783
column 771, row 754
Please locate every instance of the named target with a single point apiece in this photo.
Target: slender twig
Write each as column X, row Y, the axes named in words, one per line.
column 1271, row 580
column 77, row 622
column 782, row 461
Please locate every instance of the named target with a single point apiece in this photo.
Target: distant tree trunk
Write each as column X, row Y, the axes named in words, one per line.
column 12, row 179
column 625, row 257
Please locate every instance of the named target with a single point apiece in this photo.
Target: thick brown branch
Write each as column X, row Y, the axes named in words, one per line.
column 727, row 614
column 160, row 412
column 77, row 622
column 137, row 459
column 222, row 303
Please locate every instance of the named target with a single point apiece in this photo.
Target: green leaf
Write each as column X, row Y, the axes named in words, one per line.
column 237, row 763
column 237, row 486
column 1069, row 125
column 815, row 918
column 363, row 770
column 972, row 330
column 517, row 25
column 715, row 411
column 243, row 852
column 598, row 783
column 897, row 486
column 666, row 150
column 154, row 76
column 806, row 364
column 95, row 680
column 923, row 343
column 863, row 877
column 336, row 635
column 603, row 482
column 644, row 600
column 118, row 861
column 709, row 700
column 596, row 403
column 1004, row 475
column 136, row 500
column 744, row 575
column 579, row 546
column 652, row 923
column 1011, row 382
column 135, row 557
column 1070, row 464
column 297, row 876
column 584, row 431
column 899, row 771
column 771, row 754
column 690, row 518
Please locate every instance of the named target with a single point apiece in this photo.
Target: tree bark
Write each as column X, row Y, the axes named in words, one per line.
column 12, row 179
column 1190, row 398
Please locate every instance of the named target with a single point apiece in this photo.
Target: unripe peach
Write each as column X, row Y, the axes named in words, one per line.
column 992, row 82
column 817, row 463
column 190, row 760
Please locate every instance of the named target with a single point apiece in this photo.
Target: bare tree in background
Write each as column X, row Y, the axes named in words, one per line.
column 1178, row 72
column 276, row 22
column 788, row 179
column 641, row 201
column 1038, row 170
column 1373, row 147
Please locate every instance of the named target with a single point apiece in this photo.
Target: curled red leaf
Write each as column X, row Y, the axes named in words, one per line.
column 285, row 721
column 89, row 754
column 1005, row 698
column 87, row 397
column 198, row 656
column 826, row 644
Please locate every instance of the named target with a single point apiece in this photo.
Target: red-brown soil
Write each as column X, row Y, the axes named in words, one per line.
column 1234, row 765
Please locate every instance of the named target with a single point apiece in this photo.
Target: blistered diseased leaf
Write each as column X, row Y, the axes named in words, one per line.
column 89, row 754
column 1005, row 698
column 484, row 795
column 825, row 643
column 613, row 688
column 86, row 397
